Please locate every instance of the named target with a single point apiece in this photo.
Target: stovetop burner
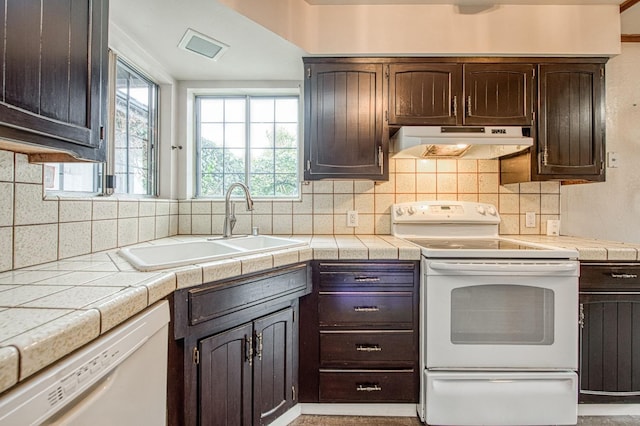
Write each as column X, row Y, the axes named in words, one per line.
column 471, row 244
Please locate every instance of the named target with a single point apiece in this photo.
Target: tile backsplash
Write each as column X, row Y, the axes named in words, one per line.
column 36, row 229
column 324, row 204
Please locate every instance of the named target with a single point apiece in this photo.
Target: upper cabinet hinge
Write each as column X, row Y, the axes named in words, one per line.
column 101, row 133
column 196, row 356
column 386, row 72
column 386, row 116
column 533, row 75
column 581, row 316
column 601, row 73
column 309, row 72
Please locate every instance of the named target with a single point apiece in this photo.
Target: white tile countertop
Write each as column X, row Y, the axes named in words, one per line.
column 48, row 311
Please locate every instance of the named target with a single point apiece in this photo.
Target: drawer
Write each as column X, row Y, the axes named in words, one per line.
column 372, row 309
column 359, row 276
column 212, row 301
column 610, row 277
column 367, row 386
column 344, row 349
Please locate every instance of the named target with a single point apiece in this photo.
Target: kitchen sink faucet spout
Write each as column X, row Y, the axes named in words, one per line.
column 229, row 208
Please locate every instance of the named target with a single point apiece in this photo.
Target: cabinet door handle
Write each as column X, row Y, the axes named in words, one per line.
column 367, row 279
column 368, row 348
column 366, row 308
column 259, row 346
column 623, row 276
column 368, row 387
column 248, row 349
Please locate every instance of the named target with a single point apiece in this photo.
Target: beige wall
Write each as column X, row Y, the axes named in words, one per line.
column 414, row 29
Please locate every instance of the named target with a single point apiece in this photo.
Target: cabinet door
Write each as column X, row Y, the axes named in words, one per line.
column 571, row 121
column 54, row 57
column 425, row 94
column 274, row 366
column 344, row 126
column 498, row 94
column 610, row 348
column 225, row 378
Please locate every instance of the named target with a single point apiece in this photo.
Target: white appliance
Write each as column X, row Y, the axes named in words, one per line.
column 470, row 142
column 499, row 343
column 119, row 379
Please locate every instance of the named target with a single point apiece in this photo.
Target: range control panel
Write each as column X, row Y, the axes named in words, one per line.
column 445, row 212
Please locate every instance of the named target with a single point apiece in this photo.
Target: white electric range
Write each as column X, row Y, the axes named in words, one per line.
column 499, row 317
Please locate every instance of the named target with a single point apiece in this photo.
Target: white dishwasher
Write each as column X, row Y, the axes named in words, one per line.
column 118, row 379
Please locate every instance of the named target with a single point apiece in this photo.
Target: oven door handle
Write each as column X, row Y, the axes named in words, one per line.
column 503, row 267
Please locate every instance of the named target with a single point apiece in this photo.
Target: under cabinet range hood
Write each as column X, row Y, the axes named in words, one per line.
column 460, row 142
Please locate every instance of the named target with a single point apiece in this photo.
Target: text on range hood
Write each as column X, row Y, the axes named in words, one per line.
column 460, row 142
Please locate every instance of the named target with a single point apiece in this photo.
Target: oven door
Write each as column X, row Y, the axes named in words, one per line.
column 501, row 314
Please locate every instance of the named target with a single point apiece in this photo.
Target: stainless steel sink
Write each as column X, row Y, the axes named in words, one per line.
column 151, row 258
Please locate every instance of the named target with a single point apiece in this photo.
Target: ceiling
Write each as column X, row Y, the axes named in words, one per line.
column 255, row 53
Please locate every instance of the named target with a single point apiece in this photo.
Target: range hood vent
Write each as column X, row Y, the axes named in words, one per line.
column 460, row 142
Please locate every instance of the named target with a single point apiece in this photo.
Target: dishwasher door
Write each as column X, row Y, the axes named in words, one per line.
column 118, row 379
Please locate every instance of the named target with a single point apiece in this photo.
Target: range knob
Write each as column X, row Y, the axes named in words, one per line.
column 411, row 210
column 481, row 210
column 492, row 211
column 399, row 211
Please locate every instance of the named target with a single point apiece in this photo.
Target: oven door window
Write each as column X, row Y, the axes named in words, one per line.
column 502, row 314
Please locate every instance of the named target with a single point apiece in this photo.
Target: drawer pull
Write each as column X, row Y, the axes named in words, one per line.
column 623, row 276
column 367, row 279
column 368, row 348
column 368, row 387
column 366, row 308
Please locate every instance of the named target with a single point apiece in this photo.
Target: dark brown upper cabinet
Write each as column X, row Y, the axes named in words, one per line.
column 345, row 133
column 53, row 90
column 571, row 121
column 427, row 93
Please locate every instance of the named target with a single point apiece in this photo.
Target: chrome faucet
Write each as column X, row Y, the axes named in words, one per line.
column 229, row 208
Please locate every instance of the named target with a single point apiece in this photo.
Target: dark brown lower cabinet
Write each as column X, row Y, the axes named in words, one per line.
column 610, row 333
column 247, row 372
column 233, row 352
column 361, row 333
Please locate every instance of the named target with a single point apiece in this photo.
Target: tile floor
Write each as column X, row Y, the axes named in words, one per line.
column 309, row 420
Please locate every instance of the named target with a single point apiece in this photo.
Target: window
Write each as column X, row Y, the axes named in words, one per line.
column 133, row 144
column 134, row 132
column 249, row 139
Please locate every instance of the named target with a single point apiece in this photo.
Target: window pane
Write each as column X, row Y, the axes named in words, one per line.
column 286, row 135
column 287, row 110
column 212, row 135
column 234, row 136
column 260, row 145
column 134, row 132
column 262, row 110
column 261, row 135
column 234, row 110
column 212, row 110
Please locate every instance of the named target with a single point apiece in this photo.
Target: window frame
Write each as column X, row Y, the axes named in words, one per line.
column 247, row 95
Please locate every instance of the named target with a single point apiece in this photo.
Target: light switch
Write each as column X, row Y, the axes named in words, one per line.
column 530, row 220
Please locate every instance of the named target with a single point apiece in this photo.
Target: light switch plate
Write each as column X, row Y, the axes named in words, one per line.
column 530, row 220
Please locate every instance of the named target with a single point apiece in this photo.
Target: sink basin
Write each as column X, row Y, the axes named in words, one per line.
column 151, row 258
column 260, row 243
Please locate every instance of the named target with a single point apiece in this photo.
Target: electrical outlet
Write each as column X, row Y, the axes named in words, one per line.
column 612, row 160
column 352, row 218
column 530, row 220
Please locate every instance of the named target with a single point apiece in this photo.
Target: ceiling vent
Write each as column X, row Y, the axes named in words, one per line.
column 198, row 43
